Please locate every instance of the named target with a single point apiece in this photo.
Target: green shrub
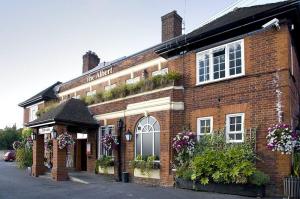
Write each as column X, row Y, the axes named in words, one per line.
column 107, row 95
column 90, row 100
column 259, row 178
column 232, row 165
column 48, row 107
column 296, row 166
column 104, row 162
column 121, row 91
column 24, row 157
column 173, row 76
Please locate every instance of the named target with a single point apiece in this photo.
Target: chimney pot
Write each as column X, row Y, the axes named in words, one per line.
column 171, row 26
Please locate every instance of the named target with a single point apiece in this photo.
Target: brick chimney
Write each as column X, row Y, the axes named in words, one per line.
column 171, row 26
column 90, row 61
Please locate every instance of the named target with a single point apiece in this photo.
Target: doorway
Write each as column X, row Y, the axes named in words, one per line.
column 83, row 155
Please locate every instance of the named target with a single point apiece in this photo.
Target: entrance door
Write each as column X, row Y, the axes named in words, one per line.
column 83, row 155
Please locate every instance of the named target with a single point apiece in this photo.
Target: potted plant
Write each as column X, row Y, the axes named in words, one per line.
column 283, row 139
column 105, row 165
column 146, row 167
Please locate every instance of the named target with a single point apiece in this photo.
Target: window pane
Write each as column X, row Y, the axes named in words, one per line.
column 238, row 54
column 231, row 136
column 207, row 122
column 238, row 136
column 156, row 126
column 238, row 127
column 232, row 120
column 147, row 144
column 138, row 144
column 238, row 70
column 232, row 127
column 238, row 119
column 222, row 74
column 202, row 122
column 232, row 71
column 157, row 145
column 238, row 62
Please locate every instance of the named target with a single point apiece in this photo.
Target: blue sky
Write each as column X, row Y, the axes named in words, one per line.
column 43, row 41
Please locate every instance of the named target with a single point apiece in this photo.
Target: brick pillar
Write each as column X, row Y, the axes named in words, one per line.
column 59, row 171
column 91, row 159
column 38, row 167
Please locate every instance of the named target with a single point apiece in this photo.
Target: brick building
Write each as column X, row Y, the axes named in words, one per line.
column 239, row 70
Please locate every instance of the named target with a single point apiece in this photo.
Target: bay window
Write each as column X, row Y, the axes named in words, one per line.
column 223, row 62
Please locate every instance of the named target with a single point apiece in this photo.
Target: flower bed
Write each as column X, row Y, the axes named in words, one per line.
column 213, row 165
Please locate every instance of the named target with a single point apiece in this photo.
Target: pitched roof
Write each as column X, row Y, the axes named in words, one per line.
column 237, row 22
column 47, row 94
column 72, row 111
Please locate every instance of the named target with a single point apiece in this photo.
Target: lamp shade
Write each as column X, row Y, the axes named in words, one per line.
column 33, row 136
column 128, row 136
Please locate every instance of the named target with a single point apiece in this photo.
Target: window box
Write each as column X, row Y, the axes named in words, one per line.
column 154, row 173
column 233, row 189
column 108, row 170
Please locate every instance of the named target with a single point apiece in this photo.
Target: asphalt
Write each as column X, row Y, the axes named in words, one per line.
column 16, row 183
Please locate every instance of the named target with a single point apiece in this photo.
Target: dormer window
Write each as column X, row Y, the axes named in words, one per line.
column 222, row 62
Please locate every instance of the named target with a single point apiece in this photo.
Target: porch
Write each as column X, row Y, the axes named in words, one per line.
column 71, row 120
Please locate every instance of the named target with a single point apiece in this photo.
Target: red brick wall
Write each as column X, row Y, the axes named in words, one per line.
column 266, row 61
column 267, row 64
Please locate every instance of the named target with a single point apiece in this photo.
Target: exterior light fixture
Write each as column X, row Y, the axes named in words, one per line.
column 128, row 135
column 53, row 134
column 33, row 136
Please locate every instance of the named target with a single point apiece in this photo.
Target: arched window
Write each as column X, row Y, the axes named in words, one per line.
column 147, row 137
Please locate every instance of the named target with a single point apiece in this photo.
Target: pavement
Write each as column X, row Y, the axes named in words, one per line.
column 16, row 183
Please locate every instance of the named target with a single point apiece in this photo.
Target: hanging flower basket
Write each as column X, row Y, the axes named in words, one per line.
column 281, row 138
column 109, row 142
column 64, row 140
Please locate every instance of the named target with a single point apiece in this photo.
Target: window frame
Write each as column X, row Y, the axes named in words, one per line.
column 211, row 65
column 228, row 116
column 33, row 116
column 100, row 152
column 199, row 126
column 141, row 133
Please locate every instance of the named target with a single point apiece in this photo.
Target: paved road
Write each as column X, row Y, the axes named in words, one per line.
column 16, row 183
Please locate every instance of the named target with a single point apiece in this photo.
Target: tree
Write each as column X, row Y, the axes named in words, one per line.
column 8, row 135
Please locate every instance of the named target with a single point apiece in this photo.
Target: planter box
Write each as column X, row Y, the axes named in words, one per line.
column 233, row 189
column 108, row 170
column 155, row 174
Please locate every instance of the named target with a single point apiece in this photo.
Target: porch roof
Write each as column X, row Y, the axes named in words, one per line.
column 71, row 112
